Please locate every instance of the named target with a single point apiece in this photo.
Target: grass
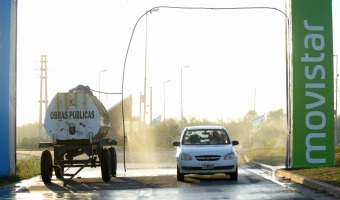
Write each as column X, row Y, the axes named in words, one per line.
column 28, row 168
column 275, row 156
column 267, row 155
column 25, row 169
column 326, row 174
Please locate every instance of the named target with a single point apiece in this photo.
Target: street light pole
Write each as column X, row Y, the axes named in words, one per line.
column 145, row 58
column 145, row 63
column 99, row 81
column 182, row 94
column 164, row 96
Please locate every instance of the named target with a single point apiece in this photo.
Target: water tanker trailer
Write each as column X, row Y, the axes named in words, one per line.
column 78, row 124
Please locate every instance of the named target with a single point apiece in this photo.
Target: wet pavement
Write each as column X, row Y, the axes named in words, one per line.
column 157, row 180
column 150, row 181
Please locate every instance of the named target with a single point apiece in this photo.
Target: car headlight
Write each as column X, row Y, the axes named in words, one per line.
column 185, row 156
column 229, row 156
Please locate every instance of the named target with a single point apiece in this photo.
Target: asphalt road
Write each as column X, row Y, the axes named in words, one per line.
column 154, row 181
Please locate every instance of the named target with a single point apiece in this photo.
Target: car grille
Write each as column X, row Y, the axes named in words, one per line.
column 215, row 168
column 208, row 157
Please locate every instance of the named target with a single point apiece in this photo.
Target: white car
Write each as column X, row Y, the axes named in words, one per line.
column 206, row 150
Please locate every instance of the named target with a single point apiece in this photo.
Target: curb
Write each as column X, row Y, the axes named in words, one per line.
column 315, row 184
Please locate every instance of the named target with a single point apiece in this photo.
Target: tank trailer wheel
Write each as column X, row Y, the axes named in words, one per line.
column 46, row 167
column 106, row 165
column 113, row 161
column 59, row 171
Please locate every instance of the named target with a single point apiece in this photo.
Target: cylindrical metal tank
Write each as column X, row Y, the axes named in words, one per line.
column 76, row 115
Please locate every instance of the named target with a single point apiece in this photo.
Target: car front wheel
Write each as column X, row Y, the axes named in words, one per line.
column 234, row 175
column 180, row 176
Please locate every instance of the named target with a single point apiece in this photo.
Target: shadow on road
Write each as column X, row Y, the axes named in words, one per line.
column 126, row 183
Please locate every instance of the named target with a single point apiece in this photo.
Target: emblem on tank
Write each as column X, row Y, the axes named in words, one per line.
column 71, row 101
column 72, row 128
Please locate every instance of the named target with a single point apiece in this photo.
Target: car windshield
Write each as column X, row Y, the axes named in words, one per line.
column 205, row 137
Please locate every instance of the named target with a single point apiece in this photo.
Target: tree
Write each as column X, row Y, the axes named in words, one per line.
column 274, row 129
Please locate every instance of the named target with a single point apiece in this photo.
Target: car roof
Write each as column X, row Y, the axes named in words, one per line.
column 204, row 127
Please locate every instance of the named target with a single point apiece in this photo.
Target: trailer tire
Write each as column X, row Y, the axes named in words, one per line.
column 59, row 171
column 46, row 167
column 106, row 165
column 113, row 161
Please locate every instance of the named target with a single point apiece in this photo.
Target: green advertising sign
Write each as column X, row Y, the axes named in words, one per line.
column 313, row 94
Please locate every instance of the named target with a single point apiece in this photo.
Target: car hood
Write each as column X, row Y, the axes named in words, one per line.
column 195, row 150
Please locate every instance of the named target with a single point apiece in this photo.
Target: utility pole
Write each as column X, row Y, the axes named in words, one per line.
column 43, row 84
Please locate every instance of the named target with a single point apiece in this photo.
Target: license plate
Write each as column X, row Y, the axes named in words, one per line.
column 208, row 166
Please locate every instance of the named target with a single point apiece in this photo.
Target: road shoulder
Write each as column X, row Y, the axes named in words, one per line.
column 315, row 184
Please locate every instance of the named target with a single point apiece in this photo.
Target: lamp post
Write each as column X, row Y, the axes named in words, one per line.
column 182, row 94
column 164, row 96
column 145, row 63
column 99, row 81
column 145, row 58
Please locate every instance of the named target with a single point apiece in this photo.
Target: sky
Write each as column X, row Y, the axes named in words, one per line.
column 232, row 61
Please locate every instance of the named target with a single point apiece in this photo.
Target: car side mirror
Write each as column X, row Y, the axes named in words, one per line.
column 235, row 142
column 176, row 144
